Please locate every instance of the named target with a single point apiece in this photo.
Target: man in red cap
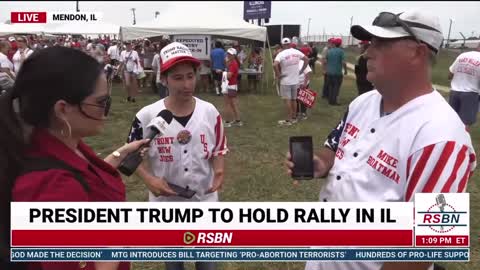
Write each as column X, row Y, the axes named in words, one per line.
column 324, row 66
column 363, row 85
column 335, row 60
column 13, row 48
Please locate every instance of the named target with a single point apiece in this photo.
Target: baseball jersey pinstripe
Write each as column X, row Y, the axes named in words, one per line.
column 183, row 154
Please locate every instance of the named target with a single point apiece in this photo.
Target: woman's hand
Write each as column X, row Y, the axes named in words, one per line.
column 128, row 148
column 133, row 146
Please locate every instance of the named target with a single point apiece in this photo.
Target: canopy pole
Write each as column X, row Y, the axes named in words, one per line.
column 265, row 79
column 271, row 57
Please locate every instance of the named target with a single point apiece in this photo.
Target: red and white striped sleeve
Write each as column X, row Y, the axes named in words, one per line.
column 442, row 167
column 220, row 148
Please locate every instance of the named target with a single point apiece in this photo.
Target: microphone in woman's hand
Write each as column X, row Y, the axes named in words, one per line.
column 157, row 126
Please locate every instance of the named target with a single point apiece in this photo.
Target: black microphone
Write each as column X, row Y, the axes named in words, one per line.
column 157, row 126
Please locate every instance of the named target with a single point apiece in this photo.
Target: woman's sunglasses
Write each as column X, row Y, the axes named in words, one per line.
column 105, row 104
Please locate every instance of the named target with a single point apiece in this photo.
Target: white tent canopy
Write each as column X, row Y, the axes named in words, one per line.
column 21, row 28
column 84, row 28
column 191, row 22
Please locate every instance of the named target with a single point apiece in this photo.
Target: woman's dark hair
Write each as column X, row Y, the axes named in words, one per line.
column 48, row 75
column 218, row 44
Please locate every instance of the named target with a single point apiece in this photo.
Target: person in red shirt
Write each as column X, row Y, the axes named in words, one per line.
column 305, row 49
column 13, row 48
column 232, row 110
column 73, row 104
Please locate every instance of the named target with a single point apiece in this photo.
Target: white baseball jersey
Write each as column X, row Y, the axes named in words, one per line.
column 421, row 147
column 183, row 154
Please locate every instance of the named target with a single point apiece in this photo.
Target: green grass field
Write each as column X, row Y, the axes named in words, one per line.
column 254, row 166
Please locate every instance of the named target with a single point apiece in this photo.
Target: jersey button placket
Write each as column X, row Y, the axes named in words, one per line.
column 186, row 158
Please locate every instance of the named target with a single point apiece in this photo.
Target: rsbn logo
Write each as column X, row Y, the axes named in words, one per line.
column 441, row 217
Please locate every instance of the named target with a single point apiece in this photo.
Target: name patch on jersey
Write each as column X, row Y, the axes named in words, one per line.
column 352, row 130
column 164, row 148
column 385, row 164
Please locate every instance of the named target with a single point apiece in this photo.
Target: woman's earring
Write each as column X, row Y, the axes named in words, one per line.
column 69, row 128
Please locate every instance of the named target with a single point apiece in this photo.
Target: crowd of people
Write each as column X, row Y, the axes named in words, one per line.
column 432, row 149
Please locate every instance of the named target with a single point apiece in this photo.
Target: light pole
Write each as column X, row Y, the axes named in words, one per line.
column 448, row 38
column 308, row 28
column 133, row 11
column 350, row 40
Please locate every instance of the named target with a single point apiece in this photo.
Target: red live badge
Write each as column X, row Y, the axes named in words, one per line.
column 28, row 17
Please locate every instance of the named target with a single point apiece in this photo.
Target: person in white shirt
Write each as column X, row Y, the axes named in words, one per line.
column 113, row 53
column 129, row 67
column 399, row 139
column 465, row 86
column 157, row 68
column 22, row 53
column 5, row 64
column 287, row 74
column 304, row 82
column 89, row 46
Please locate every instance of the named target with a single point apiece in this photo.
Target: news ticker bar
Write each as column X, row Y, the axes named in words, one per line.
column 242, row 254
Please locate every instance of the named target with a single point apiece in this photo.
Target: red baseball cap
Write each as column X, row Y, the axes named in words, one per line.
column 337, row 41
column 175, row 53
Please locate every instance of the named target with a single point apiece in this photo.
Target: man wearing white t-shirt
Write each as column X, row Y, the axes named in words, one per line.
column 5, row 64
column 21, row 54
column 286, row 71
column 303, row 82
column 465, row 86
column 113, row 53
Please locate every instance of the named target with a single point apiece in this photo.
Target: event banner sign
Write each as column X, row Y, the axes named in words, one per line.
column 199, row 45
column 257, row 10
column 243, row 230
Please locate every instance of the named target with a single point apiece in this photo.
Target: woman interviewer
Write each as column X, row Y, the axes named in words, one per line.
column 62, row 94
